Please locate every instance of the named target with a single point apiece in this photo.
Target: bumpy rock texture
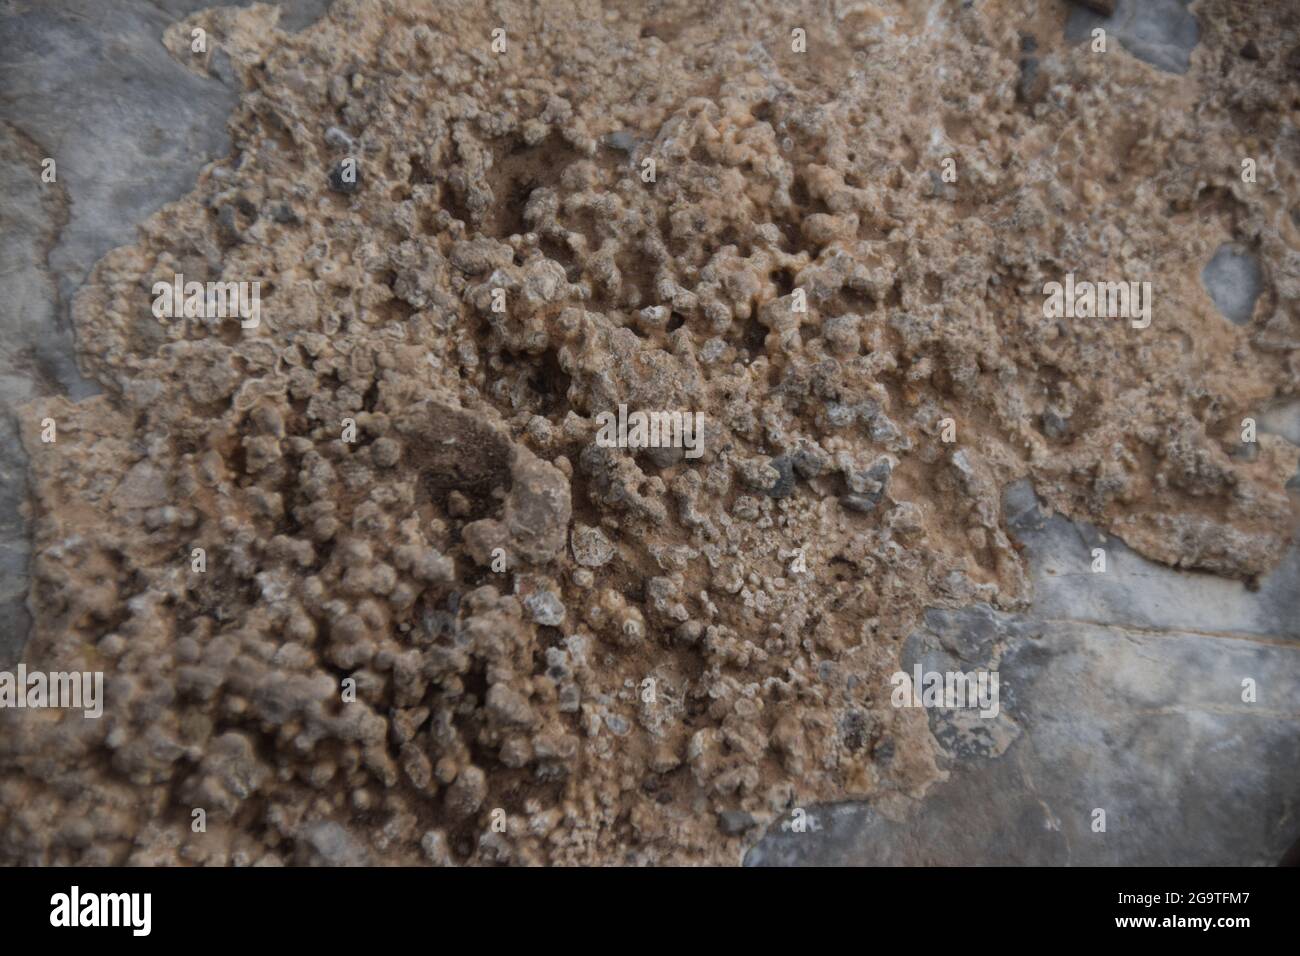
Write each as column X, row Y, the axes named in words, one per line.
column 675, row 650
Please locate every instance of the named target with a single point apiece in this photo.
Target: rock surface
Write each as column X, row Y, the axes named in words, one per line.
column 434, row 601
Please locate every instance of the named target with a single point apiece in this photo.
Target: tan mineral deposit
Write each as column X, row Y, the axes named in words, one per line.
column 366, row 579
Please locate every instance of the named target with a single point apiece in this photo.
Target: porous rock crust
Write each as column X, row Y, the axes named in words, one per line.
column 654, row 675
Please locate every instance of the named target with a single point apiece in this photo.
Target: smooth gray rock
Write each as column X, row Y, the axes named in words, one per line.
column 1282, row 418
column 1119, row 691
column 1234, row 282
column 1137, row 593
column 29, row 347
column 1160, row 32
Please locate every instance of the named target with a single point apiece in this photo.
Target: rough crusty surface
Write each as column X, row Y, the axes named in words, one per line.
column 653, row 675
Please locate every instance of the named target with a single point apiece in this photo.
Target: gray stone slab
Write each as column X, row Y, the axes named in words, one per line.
column 1160, row 32
column 1119, row 691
